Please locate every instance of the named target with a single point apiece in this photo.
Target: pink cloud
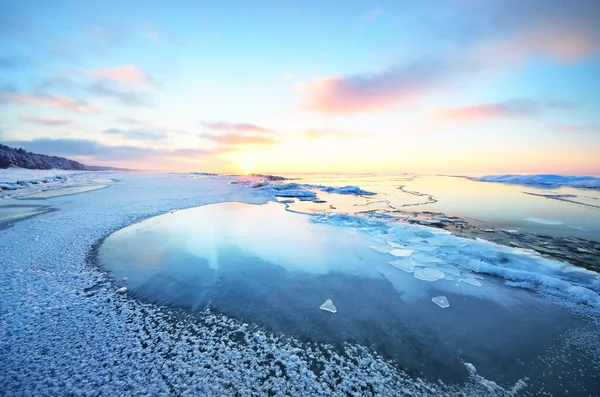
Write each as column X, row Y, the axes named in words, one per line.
column 373, row 92
column 234, row 139
column 240, row 127
column 53, row 101
column 45, row 121
column 507, row 109
column 127, row 74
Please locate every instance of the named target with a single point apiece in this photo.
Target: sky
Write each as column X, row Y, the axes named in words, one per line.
column 456, row 87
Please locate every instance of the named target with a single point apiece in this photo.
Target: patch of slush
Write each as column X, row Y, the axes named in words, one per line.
column 441, row 301
column 13, row 213
column 62, row 192
column 328, row 306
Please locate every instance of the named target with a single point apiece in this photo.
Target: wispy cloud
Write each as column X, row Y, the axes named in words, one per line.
column 515, row 108
column 45, row 121
column 127, row 74
column 508, row 109
column 124, row 96
column 231, row 136
column 233, row 139
column 138, row 134
column 375, row 91
column 238, row 127
column 56, row 101
column 102, row 152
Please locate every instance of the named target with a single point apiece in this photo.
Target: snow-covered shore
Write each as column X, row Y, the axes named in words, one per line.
column 66, row 329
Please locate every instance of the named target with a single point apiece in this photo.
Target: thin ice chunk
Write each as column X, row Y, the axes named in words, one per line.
column 401, row 252
column 395, row 245
column 328, row 306
column 472, row 281
column 380, row 248
column 428, row 274
column 405, row 264
column 441, row 301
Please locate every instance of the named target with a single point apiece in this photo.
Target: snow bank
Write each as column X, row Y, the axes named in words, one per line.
column 15, row 175
column 549, row 180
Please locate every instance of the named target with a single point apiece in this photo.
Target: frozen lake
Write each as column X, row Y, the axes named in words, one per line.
column 529, row 208
column 265, row 266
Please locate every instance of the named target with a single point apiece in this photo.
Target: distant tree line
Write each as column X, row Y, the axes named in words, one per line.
column 13, row 157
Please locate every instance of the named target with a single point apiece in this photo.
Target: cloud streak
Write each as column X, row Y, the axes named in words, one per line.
column 515, row 108
column 48, row 122
column 508, row 109
column 102, row 152
column 138, row 134
column 377, row 91
column 233, row 139
column 56, row 101
column 127, row 74
column 238, row 127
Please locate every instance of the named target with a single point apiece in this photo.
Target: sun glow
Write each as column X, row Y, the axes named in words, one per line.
column 246, row 168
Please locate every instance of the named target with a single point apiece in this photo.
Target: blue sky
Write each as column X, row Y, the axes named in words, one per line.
column 275, row 86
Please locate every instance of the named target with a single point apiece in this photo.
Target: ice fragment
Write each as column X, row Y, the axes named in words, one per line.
column 328, row 306
column 441, row 301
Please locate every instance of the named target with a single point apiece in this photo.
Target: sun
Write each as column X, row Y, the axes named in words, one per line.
column 247, row 168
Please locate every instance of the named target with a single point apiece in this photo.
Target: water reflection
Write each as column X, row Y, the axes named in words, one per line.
column 273, row 268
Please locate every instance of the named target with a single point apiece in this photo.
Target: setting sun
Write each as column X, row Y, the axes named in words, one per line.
column 246, row 168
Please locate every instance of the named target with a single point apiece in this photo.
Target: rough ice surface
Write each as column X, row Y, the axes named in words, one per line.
column 441, row 301
column 328, row 306
column 66, row 330
column 428, row 274
column 589, row 182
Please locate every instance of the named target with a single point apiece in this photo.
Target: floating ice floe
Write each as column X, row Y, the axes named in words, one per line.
column 401, row 252
column 441, row 301
column 328, row 306
column 428, row 274
column 405, row 264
